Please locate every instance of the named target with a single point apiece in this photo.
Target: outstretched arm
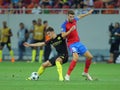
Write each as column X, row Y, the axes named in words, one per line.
column 34, row 45
column 83, row 15
column 64, row 34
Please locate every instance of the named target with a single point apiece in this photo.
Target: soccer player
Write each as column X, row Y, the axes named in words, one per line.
column 34, row 23
column 76, row 47
column 38, row 36
column 5, row 40
column 59, row 42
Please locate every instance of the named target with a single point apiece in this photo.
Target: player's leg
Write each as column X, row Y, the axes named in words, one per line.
column 111, row 53
column 1, row 48
column 72, row 66
column 58, row 63
column 51, row 62
column 41, row 54
column 34, row 51
column 42, row 69
column 33, row 54
column 88, row 61
column 114, row 48
column 89, row 57
column 75, row 58
column 11, row 52
column 43, row 66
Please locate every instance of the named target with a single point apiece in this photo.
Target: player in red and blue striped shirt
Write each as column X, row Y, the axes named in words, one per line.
column 74, row 44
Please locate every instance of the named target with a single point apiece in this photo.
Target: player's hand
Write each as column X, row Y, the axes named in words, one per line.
column 26, row 44
column 73, row 28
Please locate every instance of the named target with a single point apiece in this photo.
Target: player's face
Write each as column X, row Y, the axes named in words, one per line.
column 39, row 21
column 50, row 34
column 21, row 26
column 34, row 23
column 70, row 17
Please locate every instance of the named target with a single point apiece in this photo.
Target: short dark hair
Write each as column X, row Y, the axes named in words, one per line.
column 45, row 21
column 34, row 21
column 21, row 23
column 71, row 12
column 49, row 29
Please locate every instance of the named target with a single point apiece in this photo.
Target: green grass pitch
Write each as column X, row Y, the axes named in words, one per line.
column 13, row 77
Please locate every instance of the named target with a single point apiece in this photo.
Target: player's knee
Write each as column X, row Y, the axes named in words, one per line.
column 90, row 57
column 58, row 60
column 75, row 57
column 44, row 65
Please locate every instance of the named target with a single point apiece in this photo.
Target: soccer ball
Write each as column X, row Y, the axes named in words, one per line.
column 34, row 76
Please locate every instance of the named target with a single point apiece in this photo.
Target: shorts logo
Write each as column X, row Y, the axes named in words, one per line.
column 62, row 29
column 74, row 49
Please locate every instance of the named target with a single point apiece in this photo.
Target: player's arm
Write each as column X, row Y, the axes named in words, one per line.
column 34, row 45
column 64, row 34
column 83, row 15
column 10, row 33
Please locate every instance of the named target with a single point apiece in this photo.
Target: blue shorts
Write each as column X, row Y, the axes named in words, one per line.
column 78, row 47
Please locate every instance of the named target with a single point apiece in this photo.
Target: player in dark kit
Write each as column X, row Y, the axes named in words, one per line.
column 59, row 42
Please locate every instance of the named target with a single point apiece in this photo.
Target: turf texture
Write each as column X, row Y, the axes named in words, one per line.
column 13, row 77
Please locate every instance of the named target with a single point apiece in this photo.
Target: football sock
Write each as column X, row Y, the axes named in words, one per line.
column 0, row 55
column 33, row 55
column 41, row 70
column 11, row 53
column 41, row 56
column 87, row 65
column 71, row 67
column 59, row 69
column 12, row 56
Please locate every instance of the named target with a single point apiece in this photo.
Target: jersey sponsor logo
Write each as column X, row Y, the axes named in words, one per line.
column 38, row 33
column 57, row 43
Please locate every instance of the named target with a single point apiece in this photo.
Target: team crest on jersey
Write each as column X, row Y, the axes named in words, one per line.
column 59, row 38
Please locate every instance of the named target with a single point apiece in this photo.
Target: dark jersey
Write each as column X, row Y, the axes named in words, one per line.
column 60, row 44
